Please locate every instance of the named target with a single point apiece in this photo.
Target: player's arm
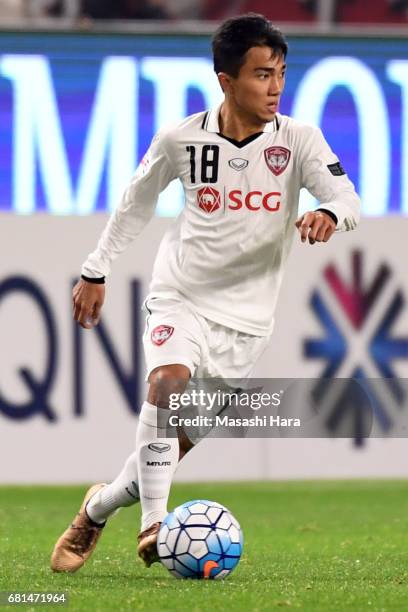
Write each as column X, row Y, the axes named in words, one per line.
column 135, row 210
column 324, row 177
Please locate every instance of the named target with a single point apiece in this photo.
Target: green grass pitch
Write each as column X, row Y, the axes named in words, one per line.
column 308, row 545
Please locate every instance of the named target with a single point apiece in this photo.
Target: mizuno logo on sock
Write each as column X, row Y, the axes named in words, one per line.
column 159, row 447
column 158, row 463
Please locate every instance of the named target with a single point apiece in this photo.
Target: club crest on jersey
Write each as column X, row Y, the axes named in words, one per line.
column 208, row 199
column 277, row 159
column 238, row 164
column 161, row 333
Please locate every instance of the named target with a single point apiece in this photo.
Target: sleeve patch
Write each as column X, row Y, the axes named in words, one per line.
column 336, row 169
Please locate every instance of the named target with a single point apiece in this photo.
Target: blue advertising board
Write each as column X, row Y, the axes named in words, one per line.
column 77, row 112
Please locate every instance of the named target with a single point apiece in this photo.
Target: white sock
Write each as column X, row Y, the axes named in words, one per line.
column 162, row 454
column 123, row 491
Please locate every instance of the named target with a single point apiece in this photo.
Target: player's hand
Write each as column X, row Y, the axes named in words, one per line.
column 315, row 226
column 87, row 301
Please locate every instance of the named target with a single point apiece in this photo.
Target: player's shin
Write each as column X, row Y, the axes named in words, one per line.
column 157, row 457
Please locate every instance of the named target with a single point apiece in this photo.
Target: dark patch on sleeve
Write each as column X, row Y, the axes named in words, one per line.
column 336, row 169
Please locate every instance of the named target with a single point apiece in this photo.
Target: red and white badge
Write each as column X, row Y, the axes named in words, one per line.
column 161, row 333
column 277, row 159
column 208, row 199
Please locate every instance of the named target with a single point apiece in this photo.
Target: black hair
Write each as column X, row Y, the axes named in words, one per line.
column 236, row 36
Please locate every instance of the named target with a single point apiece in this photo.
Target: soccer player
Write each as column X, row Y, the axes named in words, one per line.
column 219, row 268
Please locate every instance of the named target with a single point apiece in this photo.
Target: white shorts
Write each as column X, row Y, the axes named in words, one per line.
column 176, row 334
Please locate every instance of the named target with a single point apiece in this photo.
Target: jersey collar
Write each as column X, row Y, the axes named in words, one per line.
column 211, row 123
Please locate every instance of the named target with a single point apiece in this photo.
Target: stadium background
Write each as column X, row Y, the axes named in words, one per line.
column 77, row 111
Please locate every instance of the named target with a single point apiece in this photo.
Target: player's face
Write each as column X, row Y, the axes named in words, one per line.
column 257, row 90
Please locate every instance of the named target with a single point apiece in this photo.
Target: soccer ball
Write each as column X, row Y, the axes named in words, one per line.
column 200, row 539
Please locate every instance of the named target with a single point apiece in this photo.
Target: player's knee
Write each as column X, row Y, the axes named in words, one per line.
column 166, row 380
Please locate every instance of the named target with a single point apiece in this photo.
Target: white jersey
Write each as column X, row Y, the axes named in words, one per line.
column 226, row 252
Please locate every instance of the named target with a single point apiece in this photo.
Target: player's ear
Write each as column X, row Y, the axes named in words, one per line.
column 224, row 80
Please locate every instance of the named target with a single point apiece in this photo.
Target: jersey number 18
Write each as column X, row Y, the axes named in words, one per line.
column 209, row 163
